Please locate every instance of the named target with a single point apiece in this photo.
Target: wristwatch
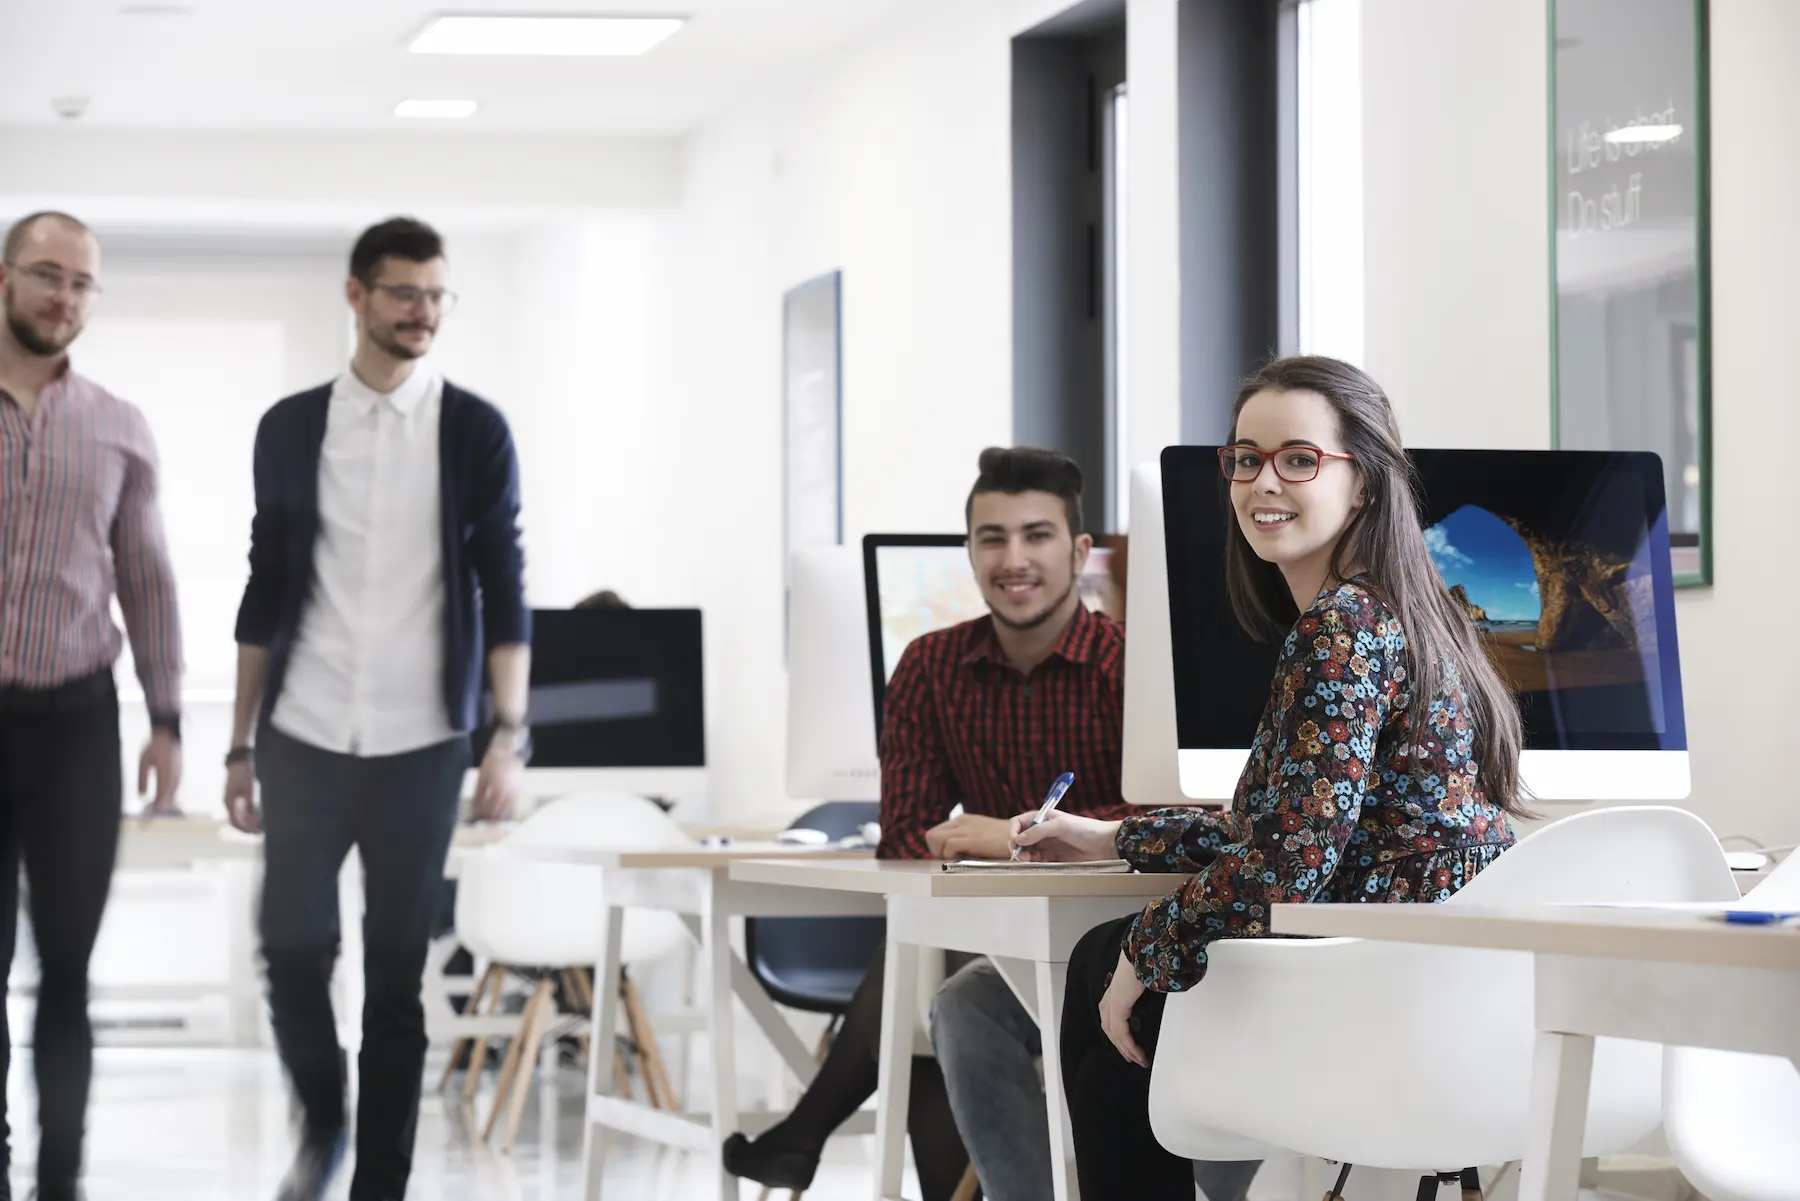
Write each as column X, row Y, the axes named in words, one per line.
column 514, row 737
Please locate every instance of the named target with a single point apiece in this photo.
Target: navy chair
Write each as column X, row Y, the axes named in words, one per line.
column 814, row 964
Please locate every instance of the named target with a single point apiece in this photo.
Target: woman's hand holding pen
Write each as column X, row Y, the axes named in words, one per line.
column 1063, row 838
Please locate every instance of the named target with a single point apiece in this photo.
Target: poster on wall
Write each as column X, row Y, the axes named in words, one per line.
column 1629, row 193
column 811, row 402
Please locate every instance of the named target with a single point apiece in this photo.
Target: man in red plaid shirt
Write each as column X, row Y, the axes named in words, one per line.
column 984, row 715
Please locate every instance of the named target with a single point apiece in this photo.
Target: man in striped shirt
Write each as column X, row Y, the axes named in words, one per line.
column 78, row 525
column 980, row 717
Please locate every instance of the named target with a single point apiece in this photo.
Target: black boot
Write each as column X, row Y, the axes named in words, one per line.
column 768, row 1163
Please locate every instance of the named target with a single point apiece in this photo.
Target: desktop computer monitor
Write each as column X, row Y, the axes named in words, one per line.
column 1155, row 770
column 917, row 583
column 830, row 728
column 617, row 702
column 1562, row 561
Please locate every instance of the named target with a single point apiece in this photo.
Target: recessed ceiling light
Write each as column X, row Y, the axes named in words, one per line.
column 571, row 36
column 435, row 109
column 1643, row 133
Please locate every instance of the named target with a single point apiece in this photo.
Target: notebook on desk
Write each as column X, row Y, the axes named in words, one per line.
column 1080, row 867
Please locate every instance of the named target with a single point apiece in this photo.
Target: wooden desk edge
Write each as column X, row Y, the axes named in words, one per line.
column 928, row 879
column 691, row 858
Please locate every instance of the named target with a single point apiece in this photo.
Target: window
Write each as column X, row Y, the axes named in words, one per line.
column 1329, row 82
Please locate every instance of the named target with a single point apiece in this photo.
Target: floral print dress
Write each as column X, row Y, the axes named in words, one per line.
column 1348, row 795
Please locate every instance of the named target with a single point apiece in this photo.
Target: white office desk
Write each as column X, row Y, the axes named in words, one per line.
column 1668, row 975
column 694, row 882
column 1027, row 923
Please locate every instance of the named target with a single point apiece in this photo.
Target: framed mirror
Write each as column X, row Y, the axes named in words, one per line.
column 1630, row 359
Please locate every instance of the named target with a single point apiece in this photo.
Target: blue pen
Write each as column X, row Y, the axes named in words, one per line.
column 1050, row 799
column 1756, row 917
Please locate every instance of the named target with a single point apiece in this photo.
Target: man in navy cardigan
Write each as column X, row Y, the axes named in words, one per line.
column 384, row 556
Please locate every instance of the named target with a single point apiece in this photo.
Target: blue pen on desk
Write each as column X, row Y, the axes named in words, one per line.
column 1050, row 799
column 1756, row 917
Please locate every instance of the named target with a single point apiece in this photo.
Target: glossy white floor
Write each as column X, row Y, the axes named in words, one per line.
column 204, row 1125
column 186, row 1125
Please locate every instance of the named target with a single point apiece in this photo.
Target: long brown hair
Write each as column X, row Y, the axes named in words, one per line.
column 1384, row 538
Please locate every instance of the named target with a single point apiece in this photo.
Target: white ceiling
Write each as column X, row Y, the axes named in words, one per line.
column 342, row 64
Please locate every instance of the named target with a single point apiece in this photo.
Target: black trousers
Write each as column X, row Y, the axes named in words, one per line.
column 1117, row 1156
column 61, row 791
column 399, row 811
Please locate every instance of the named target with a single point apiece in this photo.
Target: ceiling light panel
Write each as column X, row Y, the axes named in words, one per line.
column 574, row 37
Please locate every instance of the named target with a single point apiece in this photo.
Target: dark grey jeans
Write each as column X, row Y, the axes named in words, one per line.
column 399, row 812
column 987, row 1047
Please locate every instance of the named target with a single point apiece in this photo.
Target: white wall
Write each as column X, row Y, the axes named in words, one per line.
column 1730, row 634
column 1455, row 215
column 1457, row 304
column 558, row 325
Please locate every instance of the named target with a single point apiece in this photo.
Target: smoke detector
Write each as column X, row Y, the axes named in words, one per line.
column 69, row 108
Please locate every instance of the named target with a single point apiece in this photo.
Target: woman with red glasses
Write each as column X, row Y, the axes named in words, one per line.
column 1383, row 769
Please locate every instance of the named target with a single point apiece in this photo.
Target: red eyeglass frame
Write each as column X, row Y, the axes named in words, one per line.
column 1269, row 457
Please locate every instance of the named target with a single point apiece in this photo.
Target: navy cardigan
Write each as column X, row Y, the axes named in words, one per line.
column 484, row 568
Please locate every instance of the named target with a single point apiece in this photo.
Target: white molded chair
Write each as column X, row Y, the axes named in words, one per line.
column 1416, row 1058
column 1733, row 1120
column 513, row 910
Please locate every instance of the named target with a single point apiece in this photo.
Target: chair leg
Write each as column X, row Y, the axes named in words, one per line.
column 582, row 999
column 648, row 1048
column 463, row 1044
column 635, row 1038
column 968, row 1186
column 509, row 1067
column 529, row 1042
column 478, row 1055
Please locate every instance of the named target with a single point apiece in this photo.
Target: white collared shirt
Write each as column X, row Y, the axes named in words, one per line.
column 367, row 672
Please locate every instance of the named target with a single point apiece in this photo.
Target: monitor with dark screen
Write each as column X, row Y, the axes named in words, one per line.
column 619, row 691
column 1560, row 558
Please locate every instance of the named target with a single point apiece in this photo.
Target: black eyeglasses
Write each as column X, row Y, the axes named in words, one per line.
column 1293, row 464
column 408, row 296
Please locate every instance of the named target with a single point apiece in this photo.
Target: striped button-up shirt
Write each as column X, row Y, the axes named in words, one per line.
column 78, row 523
column 960, row 725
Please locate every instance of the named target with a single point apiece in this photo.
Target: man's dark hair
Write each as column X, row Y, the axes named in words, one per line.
column 1018, row 469
column 606, row 598
column 398, row 238
column 21, row 229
